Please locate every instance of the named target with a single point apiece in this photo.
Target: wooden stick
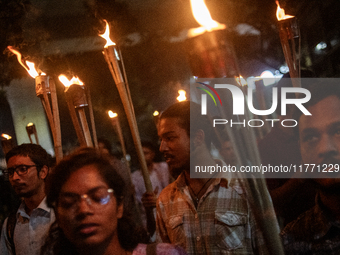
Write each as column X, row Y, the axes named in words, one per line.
column 89, row 101
column 286, row 35
column 117, row 76
column 58, row 144
column 86, row 130
column 75, row 121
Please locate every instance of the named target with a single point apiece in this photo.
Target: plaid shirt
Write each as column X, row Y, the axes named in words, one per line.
column 313, row 232
column 221, row 224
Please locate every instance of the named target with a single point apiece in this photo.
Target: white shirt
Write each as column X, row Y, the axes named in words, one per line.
column 159, row 177
column 30, row 230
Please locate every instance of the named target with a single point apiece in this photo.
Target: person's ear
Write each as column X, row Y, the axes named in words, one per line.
column 43, row 172
column 120, row 210
column 199, row 138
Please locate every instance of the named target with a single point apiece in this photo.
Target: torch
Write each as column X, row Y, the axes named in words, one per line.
column 6, row 143
column 116, row 125
column 208, row 50
column 31, row 130
column 156, row 117
column 77, row 100
column 112, row 58
column 45, row 86
column 181, row 95
column 289, row 32
column 212, row 56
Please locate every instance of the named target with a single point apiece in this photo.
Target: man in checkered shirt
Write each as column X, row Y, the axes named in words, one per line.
column 203, row 215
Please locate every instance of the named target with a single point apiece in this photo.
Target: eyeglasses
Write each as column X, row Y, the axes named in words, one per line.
column 95, row 198
column 20, row 170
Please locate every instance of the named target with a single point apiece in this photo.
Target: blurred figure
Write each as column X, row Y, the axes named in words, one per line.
column 87, row 193
column 290, row 196
column 227, row 152
column 25, row 231
column 159, row 177
column 317, row 231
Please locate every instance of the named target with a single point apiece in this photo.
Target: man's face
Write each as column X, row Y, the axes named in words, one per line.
column 320, row 136
column 149, row 155
column 30, row 183
column 175, row 145
column 227, row 152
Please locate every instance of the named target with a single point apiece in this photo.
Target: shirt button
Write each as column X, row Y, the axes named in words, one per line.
column 198, row 238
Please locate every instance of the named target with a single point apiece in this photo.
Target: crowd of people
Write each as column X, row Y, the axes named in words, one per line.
column 80, row 206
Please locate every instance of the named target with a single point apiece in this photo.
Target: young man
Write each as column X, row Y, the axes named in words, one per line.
column 203, row 215
column 24, row 232
column 317, row 231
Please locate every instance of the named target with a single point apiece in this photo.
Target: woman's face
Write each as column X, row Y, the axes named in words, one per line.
column 87, row 224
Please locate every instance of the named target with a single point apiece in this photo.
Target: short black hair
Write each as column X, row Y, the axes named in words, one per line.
column 35, row 152
column 129, row 234
column 320, row 89
column 190, row 119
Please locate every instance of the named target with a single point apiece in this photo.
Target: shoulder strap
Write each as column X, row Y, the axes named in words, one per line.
column 11, row 222
column 151, row 249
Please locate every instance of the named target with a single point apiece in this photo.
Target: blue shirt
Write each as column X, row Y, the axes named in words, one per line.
column 30, row 230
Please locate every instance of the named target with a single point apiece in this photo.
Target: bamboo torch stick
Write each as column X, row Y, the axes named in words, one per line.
column 31, row 130
column 111, row 57
column 77, row 101
column 6, row 143
column 289, row 31
column 225, row 65
column 42, row 88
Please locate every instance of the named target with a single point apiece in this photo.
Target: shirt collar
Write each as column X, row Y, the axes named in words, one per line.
column 43, row 206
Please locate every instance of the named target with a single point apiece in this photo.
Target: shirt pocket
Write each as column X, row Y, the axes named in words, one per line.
column 176, row 227
column 230, row 230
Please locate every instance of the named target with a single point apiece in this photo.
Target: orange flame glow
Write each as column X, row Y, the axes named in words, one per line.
column 203, row 17
column 7, row 137
column 112, row 114
column 30, row 68
column 67, row 83
column 181, row 96
column 280, row 13
column 106, row 36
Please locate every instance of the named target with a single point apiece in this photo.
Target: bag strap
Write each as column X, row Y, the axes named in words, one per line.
column 11, row 222
column 151, row 249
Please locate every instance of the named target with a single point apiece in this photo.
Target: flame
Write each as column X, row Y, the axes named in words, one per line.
column 203, row 17
column 181, row 96
column 280, row 13
column 106, row 36
column 67, row 83
column 155, row 113
column 7, row 137
column 112, row 114
column 241, row 81
column 30, row 68
column 30, row 124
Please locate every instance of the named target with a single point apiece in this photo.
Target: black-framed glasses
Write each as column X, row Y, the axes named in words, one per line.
column 94, row 198
column 20, row 170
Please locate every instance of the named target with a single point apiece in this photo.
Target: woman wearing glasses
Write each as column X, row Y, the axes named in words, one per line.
column 87, row 195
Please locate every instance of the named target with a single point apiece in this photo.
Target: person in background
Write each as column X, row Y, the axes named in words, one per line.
column 208, row 215
column 25, row 230
column 87, row 194
column 317, row 231
column 290, row 196
column 159, row 177
column 227, row 152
